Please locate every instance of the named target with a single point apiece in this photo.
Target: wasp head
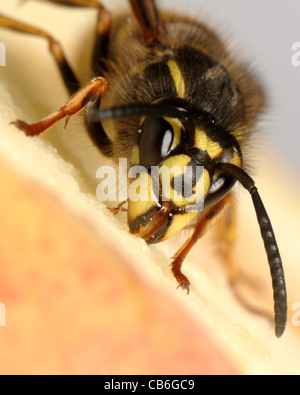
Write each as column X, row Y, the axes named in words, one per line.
column 174, row 174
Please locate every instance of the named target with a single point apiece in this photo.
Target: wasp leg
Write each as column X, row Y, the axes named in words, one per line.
column 148, row 17
column 116, row 210
column 100, row 51
column 200, row 229
column 74, row 105
column 102, row 32
column 67, row 73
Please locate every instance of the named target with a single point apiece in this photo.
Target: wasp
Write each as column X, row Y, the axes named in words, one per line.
column 166, row 92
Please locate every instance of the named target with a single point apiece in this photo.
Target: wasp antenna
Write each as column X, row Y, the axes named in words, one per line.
column 271, row 247
column 137, row 110
column 277, row 273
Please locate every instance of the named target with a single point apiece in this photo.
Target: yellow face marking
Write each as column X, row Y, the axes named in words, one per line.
column 172, row 168
column 179, row 222
column 204, row 143
column 141, row 197
column 236, row 160
column 177, row 77
column 175, row 167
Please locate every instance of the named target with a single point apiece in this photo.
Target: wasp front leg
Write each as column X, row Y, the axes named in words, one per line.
column 74, row 105
column 199, row 230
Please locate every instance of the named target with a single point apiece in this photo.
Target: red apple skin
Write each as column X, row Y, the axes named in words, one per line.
column 75, row 305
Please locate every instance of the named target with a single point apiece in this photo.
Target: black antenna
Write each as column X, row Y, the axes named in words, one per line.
column 277, row 273
column 138, row 110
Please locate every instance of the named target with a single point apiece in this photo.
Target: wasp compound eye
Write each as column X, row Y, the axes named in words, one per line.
column 219, row 189
column 156, row 141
